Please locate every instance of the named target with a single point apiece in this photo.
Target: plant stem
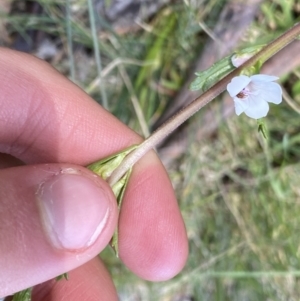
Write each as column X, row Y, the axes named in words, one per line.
column 97, row 53
column 70, row 41
column 175, row 121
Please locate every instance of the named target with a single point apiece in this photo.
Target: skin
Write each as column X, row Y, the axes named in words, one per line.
column 47, row 123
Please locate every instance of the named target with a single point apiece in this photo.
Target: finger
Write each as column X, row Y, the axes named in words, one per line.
column 60, row 123
column 152, row 234
column 46, row 118
column 54, row 217
column 88, row 282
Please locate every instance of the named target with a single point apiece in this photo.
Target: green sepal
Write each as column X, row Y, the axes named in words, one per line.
column 104, row 168
column 24, row 295
column 262, row 128
column 119, row 190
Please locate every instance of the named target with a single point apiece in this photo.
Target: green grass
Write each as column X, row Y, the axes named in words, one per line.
column 246, row 202
column 239, row 194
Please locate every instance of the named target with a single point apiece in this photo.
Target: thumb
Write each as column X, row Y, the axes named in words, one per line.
column 54, row 218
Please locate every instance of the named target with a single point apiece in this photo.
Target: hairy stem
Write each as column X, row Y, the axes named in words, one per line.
column 175, row 121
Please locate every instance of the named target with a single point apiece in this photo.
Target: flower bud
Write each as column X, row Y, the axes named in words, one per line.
column 239, row 59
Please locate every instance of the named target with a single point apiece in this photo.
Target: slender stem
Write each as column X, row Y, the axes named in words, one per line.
column 97, row 53
column 246, row 274
column 170, row 125
column 70, row 41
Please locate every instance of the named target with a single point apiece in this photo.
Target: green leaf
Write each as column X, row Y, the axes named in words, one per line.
column 296, row 88
column 119, row 189
column 104, row 168
column 63, row 276
column 262, row 128
column 217, row 71
column 24, row 295
column 208, row 77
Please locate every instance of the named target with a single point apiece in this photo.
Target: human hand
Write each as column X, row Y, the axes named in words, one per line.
column 49, row 212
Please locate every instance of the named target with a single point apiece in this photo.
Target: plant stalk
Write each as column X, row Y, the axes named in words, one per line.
column 175, row 121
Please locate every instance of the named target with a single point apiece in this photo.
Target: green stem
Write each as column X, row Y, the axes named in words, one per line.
column 97, row 53
column 70, row 41
column 246, row 274
column 170, row 125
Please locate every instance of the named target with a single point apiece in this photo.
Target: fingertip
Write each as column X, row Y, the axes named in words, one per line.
column 153, row 241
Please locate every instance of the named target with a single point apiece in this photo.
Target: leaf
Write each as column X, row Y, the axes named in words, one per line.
column 24, row 295
column 62, row 276
column 104, row 168
column 217, row 71
column 208, row 77
column 262, row 128
column 119, row 189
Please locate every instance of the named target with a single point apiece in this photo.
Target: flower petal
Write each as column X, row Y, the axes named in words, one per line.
column 263, row 78
column 258, row 108
column 237, row 84
column 239, row 105
column 270, row 92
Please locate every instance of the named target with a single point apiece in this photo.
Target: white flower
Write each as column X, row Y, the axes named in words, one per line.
column 252, row 94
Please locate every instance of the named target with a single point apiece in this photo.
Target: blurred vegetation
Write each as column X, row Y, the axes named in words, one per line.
column 239, row 194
